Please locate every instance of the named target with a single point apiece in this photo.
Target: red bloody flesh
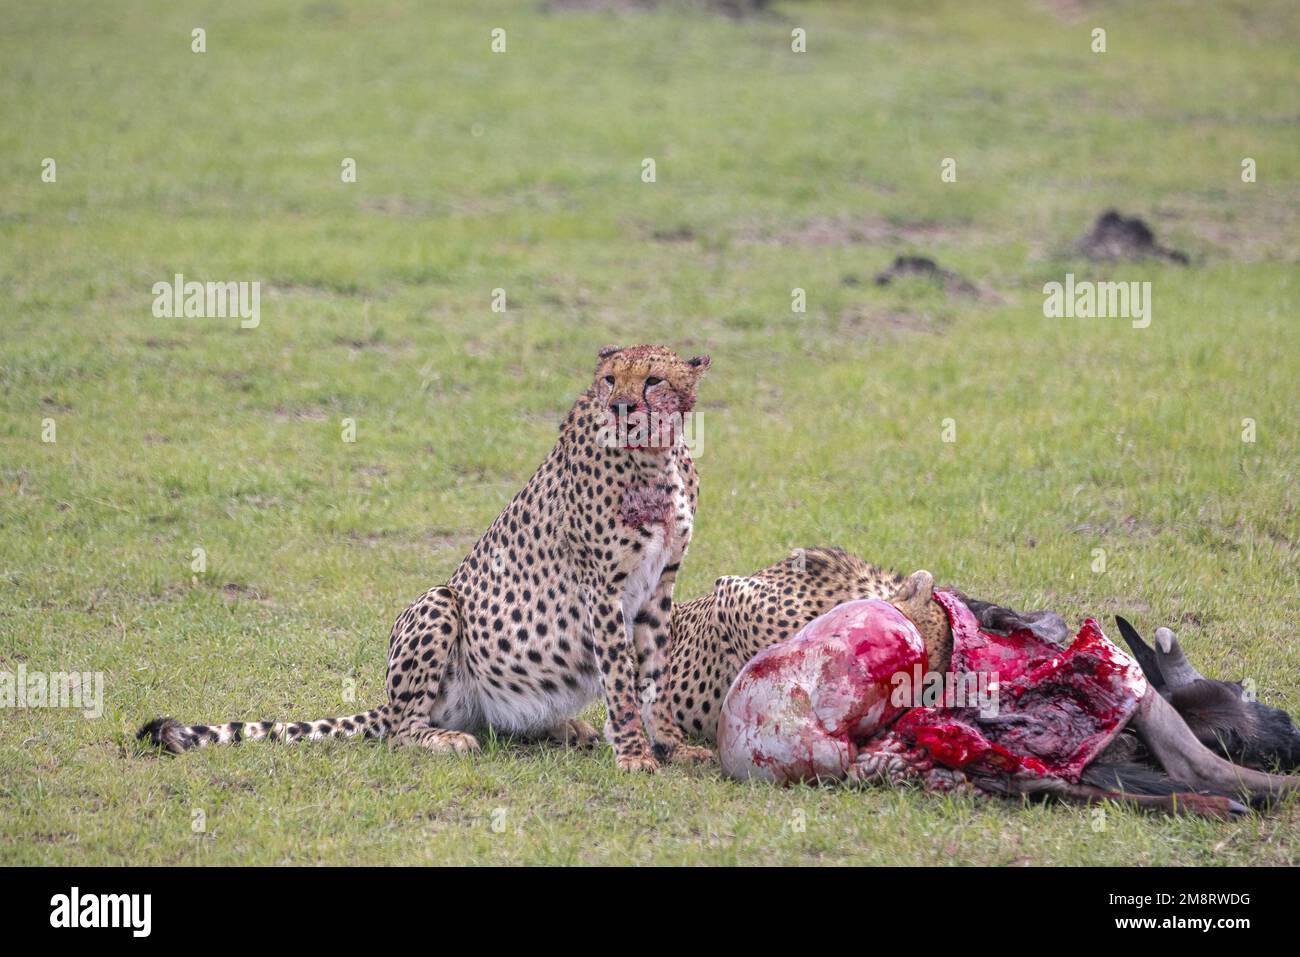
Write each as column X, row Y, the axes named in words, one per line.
column 646, row 505
column 804, row 708
column 796, row 709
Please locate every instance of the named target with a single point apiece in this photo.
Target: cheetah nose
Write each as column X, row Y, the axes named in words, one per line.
column 623, row 408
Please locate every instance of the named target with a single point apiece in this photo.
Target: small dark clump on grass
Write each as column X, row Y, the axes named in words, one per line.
column 924, row 268
column 1115, row 236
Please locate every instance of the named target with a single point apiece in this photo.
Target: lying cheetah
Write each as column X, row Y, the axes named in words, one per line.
column 565, row 598
column 716, row 634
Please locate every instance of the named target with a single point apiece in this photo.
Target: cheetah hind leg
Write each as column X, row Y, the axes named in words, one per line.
column 419, row 652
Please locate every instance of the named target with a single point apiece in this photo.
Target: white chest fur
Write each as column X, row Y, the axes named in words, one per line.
column 637, row 589
column 642, row 579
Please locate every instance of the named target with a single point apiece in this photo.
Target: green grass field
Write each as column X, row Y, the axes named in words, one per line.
column 522, row 171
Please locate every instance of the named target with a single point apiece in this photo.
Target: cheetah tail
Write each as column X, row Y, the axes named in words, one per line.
column 170, row 735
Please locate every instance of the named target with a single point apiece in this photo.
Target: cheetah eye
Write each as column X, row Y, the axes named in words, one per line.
column 609, row 379
column 653, row 380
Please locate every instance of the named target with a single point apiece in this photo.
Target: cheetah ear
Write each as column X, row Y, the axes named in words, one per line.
column 699, row 363
column 608, row 351
column 915, row 593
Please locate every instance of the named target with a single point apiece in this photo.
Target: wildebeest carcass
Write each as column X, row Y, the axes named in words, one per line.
column 1078, row 722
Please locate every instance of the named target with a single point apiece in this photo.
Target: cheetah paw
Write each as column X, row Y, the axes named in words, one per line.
column 463, row 743
column 690, row 754
column 637, row 762
column 575, row 732
column 445, row 742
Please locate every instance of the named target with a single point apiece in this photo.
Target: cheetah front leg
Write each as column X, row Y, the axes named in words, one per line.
column 652, row 636
column 616, row 659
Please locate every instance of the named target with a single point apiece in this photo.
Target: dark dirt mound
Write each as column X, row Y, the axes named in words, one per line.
column 554, row 6
column 735, row 9
column 1115, row 236
column 920, row 266
column 673, row 234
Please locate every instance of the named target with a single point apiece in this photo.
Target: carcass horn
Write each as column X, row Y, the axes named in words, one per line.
column 1174, row 666
column 1144, row 653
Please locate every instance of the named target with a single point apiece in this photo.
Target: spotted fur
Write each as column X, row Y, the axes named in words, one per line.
column 566, row 598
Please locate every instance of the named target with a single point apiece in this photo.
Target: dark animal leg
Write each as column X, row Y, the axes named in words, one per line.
column 1183, row 757
column 1204, row 805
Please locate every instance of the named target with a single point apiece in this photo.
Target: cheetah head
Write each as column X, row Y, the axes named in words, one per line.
column 915, row 599
column 646, row 392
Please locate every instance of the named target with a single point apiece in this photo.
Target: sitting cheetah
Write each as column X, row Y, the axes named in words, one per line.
column 565, row 597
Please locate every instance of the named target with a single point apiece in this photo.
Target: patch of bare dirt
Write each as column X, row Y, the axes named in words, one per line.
column 300, row 414
column 370, row 476
column 673, row 234
column 598, row 6
column 398, row 206
column 1132, row 526
column 1115, row 236
column 260, row 501
column 374, row 342
column 281, row 288
column 234, row 591
column 735, row 9
column 825, row 231
column 861, row 322
column 1069, row 10
column 1241, row 233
